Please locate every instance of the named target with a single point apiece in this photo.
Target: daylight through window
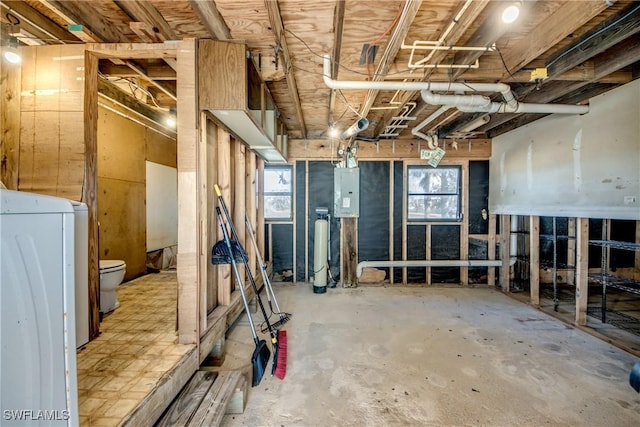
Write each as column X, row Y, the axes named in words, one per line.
column 433, row 194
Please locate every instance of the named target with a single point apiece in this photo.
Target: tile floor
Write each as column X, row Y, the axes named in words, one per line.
column 136, row 348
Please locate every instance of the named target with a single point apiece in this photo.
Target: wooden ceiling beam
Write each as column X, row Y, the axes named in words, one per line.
column 94, row 27
column 605, row 64
column 145, row 12
column 338, row 26
column 396, row 38
column 275, row 18
column 46, row 28
column 614, row 30
column 563, row 22
column 111, row 91
column 211, row 18
column 470, row 15
column 153, row 72
column 142, row 73
column 146, row 32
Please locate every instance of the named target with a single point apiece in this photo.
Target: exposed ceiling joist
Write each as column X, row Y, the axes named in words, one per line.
column 211, row 18
column 94, row 28
column 552, row 30
column 396, row 38
column 49, row 30
column 143, row 74
column 606, row 35
column 144, row 11
column 146, row 32
column 470, row 14
column 275, row 18
column 607, row 63
column 338, row 25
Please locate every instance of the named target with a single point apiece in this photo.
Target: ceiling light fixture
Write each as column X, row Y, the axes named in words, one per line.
column 510, row 13
column 334, row 132
column 11, row 51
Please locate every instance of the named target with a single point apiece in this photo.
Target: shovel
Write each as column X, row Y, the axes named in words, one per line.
column 261, row 354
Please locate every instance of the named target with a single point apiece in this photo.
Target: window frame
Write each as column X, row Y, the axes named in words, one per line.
column 458, row 194
column 266, row 194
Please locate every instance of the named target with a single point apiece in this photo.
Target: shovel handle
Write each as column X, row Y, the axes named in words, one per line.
column 218, row 192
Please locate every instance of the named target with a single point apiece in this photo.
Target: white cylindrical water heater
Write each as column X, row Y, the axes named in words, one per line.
column 320, row 257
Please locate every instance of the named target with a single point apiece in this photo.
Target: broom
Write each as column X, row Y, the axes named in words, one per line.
column 280, row 354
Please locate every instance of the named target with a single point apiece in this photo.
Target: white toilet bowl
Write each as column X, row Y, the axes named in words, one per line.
column 111, row 275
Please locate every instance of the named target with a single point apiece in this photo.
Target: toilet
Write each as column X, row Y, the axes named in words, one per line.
column 111, row 275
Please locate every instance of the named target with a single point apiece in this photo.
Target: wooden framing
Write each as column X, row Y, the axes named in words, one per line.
column 10, row 124
column 534, row 259
column 224, row 182
column 505, row 239
column 491, row 250
column 582, row 267
column 323, row 149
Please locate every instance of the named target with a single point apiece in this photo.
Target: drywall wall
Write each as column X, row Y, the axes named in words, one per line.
column 574, row 166
column 162, row 206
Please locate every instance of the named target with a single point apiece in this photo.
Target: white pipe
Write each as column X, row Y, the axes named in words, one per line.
column 412, row 86
column 522, row 107
column 432, row 263
column 482, row 104
column 430, row 140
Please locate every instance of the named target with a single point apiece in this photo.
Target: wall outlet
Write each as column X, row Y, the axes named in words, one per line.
column 629, row 200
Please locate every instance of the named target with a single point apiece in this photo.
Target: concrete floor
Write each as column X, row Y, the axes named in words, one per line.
column 434, row 356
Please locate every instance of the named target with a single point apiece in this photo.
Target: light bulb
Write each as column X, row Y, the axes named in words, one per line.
column 510, row 14
column 12, row 56
column 333, row 132
column 171, row 122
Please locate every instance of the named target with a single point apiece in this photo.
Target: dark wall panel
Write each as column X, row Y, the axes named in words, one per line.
column 397, row 217
column 282, row 243
column 478, row 249
column 321, row 195
column 445, row 244
column 416, row 249
column 478, row 196
column 300, row 198
column 373, row 223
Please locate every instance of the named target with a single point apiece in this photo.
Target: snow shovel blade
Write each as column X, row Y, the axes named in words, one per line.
column 259, row 360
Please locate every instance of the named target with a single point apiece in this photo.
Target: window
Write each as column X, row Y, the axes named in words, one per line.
column 278, row 193
column 433, row 194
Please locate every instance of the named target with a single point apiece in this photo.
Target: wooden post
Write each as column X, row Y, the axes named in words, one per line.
column 571, row 250
column 89, row 195
column 349, row 252
column 464, row 226
column 491, row 250
column 534, row 259
column 188, row 193
column 224, row 182
column 427, row 252
column 260, row 213
column 250, row 202
column 391, row 213
column 505, row 239
column 10, row 79
column 582, row 270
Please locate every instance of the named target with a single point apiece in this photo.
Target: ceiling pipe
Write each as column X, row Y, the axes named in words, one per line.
column 432, row 141
column 464, row 103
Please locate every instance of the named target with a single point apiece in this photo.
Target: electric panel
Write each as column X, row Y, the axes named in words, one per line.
column 347, row 192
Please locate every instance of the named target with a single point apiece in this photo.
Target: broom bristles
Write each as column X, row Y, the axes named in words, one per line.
column 281, row 365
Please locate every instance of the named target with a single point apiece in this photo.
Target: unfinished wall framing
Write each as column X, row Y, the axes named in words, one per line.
column 382, row 232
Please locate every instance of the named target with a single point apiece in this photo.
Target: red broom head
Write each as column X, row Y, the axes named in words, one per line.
column 281, row 366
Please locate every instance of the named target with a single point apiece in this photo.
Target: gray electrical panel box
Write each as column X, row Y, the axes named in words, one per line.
column 347, row 192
